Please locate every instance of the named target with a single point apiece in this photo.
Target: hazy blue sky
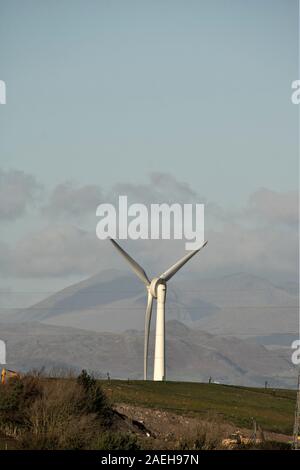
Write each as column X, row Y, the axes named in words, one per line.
column 106, row 91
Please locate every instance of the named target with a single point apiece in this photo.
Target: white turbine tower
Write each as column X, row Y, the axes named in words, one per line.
column 157, row 289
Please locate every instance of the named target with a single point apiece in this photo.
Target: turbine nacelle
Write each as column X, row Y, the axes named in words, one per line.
column 156, row 281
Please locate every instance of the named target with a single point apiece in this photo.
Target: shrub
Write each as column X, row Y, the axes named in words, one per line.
column 95, row 400
column 116, row 441
column 207, row 436
column 15, row 397
column 41, row 413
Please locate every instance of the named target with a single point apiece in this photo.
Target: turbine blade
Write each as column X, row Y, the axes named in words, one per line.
column 173, row 269
column 147, row 332
column 136, row 267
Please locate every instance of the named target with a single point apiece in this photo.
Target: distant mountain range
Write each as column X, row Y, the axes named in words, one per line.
column 192, row 354
column 237, row 329
column 241, row 305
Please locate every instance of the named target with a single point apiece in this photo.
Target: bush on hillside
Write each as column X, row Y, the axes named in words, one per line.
column 43, row 413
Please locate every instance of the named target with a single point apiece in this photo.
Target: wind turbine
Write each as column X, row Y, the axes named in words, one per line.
column 157, row 289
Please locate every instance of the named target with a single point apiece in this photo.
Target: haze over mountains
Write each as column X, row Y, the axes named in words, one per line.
column 114, row 301
column 216, row 327
column 191, row 354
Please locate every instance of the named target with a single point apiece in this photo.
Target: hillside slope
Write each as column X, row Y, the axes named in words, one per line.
column 273, row 409
column 191, row 354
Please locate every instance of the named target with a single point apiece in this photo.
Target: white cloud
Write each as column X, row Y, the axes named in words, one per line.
column 275, row 207
column 237, row 241
column 162, row 187
column 57, row 250
column 17, row 191
column 72, row 201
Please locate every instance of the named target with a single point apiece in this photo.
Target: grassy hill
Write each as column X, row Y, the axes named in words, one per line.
column 38, row 412
column 272, row 408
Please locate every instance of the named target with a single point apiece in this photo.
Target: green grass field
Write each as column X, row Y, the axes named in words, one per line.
column 272, row 408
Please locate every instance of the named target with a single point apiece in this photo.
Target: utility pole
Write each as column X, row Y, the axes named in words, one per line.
column 297, row 418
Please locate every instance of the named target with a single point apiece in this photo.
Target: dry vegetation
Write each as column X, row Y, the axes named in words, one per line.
column 37, row 412
column 40, row 413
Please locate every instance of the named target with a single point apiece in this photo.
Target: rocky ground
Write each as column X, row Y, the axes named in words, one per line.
column 158, row 429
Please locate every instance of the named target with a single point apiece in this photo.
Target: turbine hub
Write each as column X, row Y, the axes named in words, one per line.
column 154, row 284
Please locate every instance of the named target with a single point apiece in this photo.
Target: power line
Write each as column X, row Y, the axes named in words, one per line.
column 187, row 307
column 88, row 291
